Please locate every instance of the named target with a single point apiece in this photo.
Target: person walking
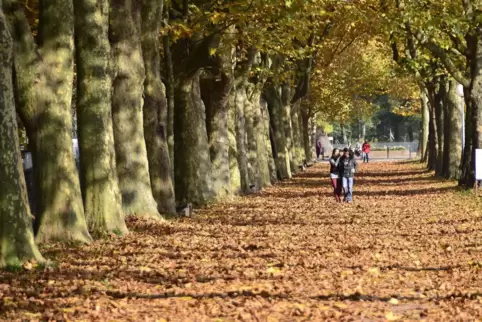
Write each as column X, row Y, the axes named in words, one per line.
column 347, row 167
column 319, row 146
column 334, row 174
column 366, row 151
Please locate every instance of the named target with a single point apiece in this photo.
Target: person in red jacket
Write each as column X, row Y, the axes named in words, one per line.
column 366, row 151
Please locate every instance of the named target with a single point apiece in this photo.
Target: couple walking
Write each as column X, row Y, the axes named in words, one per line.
column 342, row 171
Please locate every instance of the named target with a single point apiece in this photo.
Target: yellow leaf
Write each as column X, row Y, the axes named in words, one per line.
column 391, row 317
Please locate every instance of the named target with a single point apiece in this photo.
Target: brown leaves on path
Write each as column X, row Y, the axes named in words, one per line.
column 408, row 248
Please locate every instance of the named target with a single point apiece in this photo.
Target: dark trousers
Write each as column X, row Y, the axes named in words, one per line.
column 337, row 185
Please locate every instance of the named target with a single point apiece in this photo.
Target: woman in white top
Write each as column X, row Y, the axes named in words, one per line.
column 334, row 175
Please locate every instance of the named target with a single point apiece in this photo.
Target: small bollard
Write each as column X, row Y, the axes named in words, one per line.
column 388, row 152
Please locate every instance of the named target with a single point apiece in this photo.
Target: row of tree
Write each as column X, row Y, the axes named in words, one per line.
column 186, row 101
column 440, row 43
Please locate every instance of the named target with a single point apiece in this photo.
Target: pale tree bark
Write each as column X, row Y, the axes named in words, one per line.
column 260, row 133
column 127, row 103
column 240, row 126
column 288, row 127
column 296, row 121
column 169, row 82
column 16, row 236
column 432, row 138
column 155, row 110
column 234, row 173
column 217, row 110
column 269, row 139
column 437, row 101
column 277, row 111
column 192, row 168
column 44, row 91
column 100, row 185
column 251, row 148
column 305, row 127
column 455, row 134
column 425, row 122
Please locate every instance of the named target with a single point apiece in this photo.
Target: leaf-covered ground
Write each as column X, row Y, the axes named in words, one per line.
column 408, row 248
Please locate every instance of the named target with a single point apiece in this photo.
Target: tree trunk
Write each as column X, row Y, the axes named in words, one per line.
column 446, row 129
column 455, row 135
column 343, row 133
column 192, row 167
column 155, row 110
column 16, row 236
column 100, row 185
column 44, row 92
column 61, row 215
column 253, row 164
column 425, row 122
column 241, row 146
column 432, row 139
column 234, row 173
column 468, row 156
column 288, row 127
column 169, row 71
column 127, row 102
column 439, row 119
column 268, row 137
column 306, row 134
column 260, row 133
column 297, row 136
column 277, row 121
column 217, row 124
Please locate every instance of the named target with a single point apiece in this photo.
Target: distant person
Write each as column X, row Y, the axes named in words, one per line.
column 347, row 167
column 334, row 174
column 366, row 151
column 358, row 147
column 319, row 146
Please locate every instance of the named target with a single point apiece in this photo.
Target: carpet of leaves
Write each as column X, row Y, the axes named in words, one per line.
column 408, row 248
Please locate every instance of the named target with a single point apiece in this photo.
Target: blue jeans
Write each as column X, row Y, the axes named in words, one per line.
column 365, row 157
column 348, row 187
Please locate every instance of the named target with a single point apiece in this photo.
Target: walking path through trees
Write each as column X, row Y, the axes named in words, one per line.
column 409, row 247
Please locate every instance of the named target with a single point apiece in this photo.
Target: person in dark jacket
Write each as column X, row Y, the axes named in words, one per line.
column 334, row 174
column 347, row 167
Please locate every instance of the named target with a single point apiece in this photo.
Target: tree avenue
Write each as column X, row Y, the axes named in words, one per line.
column 195, row 101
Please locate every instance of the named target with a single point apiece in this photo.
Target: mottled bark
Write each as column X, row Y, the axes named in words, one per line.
column 240, row 126
column 127, row 103
column 455, row 133
column 60, row 213
column 277, row 113
column 270, row 149
column 437, row 101
column 155, row 110
column 468, row 156
column 260, row 134
column 287, row 123
column 425, row 122
column 305, row 128
column 16, row 236
column 298, row 150
column 169, row 82
column 251, row 148
column 217, row 106
column 192, row 167
column 432, row 138
column 234, row 174
column 100, row 185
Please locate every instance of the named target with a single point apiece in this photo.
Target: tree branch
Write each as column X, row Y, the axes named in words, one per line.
column 445, row 58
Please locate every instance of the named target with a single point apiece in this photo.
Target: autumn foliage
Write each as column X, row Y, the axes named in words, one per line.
column 407, row 249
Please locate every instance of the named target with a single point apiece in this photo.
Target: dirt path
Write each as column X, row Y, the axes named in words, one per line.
column 408, row 248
